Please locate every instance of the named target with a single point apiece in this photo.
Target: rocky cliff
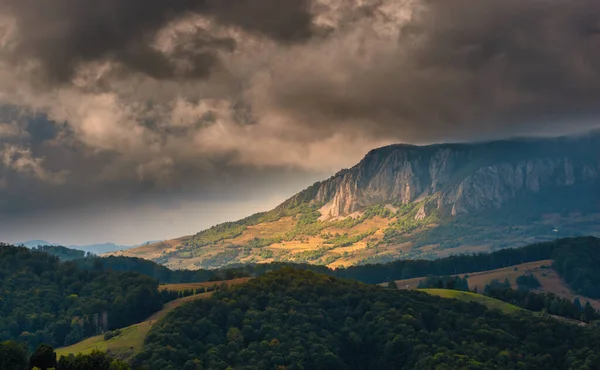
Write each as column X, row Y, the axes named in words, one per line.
column 415, row 202
column 457, row 178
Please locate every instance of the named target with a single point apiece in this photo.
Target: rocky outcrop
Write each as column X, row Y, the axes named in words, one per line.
column 460, row 177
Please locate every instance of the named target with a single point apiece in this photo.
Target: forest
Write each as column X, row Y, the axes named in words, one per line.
column 297, row 319
column 14, row 356
column 575, row 259
column 43, row 300
column 542, row 302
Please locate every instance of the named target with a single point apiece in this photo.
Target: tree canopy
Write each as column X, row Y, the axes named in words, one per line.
column 296, row 319
column 45, row 301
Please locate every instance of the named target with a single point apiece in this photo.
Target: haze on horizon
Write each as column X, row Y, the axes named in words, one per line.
column 148, row 119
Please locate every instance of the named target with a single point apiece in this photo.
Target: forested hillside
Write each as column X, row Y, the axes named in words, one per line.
column 302, row 320
column 45, row 300
column 576, row 260
column 63, row 253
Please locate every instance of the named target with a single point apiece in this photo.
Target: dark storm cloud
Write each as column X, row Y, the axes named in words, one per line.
column 459, row 69
column 63, row 33
column 312, row 100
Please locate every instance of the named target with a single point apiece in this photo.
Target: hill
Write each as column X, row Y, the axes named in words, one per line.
column 91, row 248
column 63, row 253
column 301, row 320
column 566, row 268
column 127, row 342
column 472, row 297
column 406, row 202
column 43, row 300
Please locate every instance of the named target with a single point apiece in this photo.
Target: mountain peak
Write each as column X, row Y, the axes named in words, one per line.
column 415, row 201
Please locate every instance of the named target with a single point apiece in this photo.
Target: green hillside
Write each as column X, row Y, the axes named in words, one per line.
column 473, row 297
column 301, row 320
column 128, row 341
column 43, row 300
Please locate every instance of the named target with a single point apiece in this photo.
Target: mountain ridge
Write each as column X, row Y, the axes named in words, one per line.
column 408, row 201
column 98, row 248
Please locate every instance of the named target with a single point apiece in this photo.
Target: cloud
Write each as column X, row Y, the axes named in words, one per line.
column 63, row 34
column 22, row 161
column 458, row 69
column 137, row 97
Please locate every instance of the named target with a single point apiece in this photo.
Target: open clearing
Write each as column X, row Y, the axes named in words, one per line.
column 131, row 340
column 491, row 303
column 187, row 286
column 542, row 270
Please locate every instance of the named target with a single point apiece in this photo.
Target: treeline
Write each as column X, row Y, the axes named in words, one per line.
column 453, row 265
column 445, row 282
column 63, row 253
column 158, row 272
column 14, row 356
column 296, row 319
column 372, row 273
column 43, row 300
column 542, row 302
column 170, row 295
column 577, row 260
column 578, row 263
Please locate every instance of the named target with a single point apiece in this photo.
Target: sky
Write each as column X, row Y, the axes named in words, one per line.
column 140, row 120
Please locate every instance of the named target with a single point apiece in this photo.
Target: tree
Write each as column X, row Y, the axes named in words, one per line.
column 392, row 285
column 44, row 357
column 578, row 305
column 588, row 312
column 13, row 356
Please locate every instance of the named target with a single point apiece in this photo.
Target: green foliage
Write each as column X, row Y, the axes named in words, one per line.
column 491, row 303
column 43, row 358
column 453, row 265
column 45, row 301
column 225, row 257
column 95, row 360
column 378, row 210
column 345, row 240
column 300, row 320
column 528, row 282
column 13, row 356
column 217, row 233
column 63, row 253
column 111, row 334
column 156, row 271
column 539, row 302
column 578, row 263
column 445, row 282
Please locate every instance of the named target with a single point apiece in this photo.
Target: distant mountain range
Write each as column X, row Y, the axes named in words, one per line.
column 92, row 248
column 406, row 201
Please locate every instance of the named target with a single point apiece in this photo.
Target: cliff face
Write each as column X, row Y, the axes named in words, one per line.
column 457, row 178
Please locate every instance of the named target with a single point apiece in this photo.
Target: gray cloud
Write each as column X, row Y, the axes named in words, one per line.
column 62, row 34
column 459, row 68
column 162, row 97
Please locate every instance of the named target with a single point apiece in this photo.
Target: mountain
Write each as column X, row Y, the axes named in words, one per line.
column 36, row 243
column 406, row 201
column 92, row 248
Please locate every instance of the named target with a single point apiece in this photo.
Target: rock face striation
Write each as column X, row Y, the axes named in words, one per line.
column 457, row 178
